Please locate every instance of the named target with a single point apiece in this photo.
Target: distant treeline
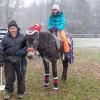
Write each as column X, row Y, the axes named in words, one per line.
column 83, row 16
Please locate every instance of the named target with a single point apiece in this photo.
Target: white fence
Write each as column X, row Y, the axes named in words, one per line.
column 87, row 42
column 3, row 32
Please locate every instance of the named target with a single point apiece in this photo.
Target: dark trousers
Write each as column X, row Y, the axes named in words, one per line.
column 12, row 70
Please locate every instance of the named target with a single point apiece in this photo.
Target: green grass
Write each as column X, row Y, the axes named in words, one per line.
column 76, row 88
column 88, row 54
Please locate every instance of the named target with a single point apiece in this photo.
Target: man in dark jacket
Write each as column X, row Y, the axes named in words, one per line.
column 14, row 51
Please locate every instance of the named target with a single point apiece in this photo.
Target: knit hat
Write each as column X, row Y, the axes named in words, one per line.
column 12, row 23
column 55, row 6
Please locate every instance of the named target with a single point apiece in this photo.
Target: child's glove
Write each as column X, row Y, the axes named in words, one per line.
column 51, row 30
column 55, row 29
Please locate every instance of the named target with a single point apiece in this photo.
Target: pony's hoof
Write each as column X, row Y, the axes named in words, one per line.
column 55, row 91
column 46, row 87
column 64, row 79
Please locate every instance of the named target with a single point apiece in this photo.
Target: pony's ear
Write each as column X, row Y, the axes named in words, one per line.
column 27, row 33
column 32, row 32
column 42, row 24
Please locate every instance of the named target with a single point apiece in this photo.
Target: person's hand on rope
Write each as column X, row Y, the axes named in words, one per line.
column 1, row 64
column 51, row 30
column 1, row 61
column 22, row 52
column 55, row 29
column 1, row 57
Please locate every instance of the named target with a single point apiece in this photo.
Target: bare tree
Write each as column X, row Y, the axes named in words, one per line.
column 8, row 9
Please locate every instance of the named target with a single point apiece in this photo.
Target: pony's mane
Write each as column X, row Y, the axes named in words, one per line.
column 46, row 33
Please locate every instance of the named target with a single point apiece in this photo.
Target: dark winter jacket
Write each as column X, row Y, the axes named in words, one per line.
column 11, row 45
column 57, row 21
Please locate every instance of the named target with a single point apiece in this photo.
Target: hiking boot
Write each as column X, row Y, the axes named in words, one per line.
column 7, row 96
column 20, row 96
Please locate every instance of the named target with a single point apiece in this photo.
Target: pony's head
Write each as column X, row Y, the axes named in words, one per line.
column 32, row 35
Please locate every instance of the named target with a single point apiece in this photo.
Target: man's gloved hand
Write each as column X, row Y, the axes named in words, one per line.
column 22, row 52
column 1, row 61
column 1, row 64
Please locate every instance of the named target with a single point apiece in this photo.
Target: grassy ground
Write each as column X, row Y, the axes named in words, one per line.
column 83, row 79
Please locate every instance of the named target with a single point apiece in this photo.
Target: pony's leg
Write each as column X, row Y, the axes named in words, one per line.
column 65, row 69
column 55, row 77
column 46, row 75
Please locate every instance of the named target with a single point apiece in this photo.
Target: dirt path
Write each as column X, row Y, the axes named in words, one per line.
column 85, row 65
column 83, row 68
column 86, row 69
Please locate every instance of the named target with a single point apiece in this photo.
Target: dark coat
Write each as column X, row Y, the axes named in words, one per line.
column 11, row 45
column 57, row 21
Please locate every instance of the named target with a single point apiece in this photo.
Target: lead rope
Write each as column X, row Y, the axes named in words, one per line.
column 1, row 76
column 20, row 64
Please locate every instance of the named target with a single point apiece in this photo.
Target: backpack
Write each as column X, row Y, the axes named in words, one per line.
column 71, row 53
